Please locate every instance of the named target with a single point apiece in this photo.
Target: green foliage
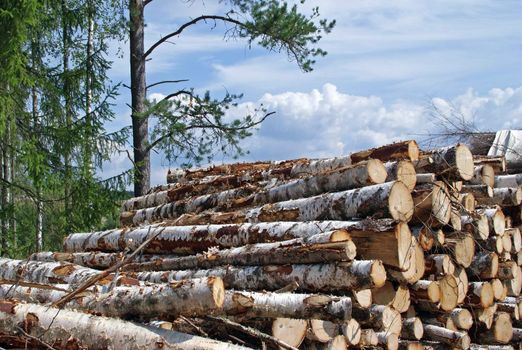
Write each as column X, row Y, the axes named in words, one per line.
column 193, row 127
column 52, row 121
column 278, row 27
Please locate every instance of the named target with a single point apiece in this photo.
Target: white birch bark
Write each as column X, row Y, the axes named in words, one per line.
column 295, row 305
column 199, row 238
column 514, row 180
column 63, row 328
column 278, row 253
column 196, row 297
column 314, row 277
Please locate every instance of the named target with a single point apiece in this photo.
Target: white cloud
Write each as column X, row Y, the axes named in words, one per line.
column 328, row 122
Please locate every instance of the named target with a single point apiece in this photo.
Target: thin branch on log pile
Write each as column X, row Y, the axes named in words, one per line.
column 253, row 332
column 105, row 273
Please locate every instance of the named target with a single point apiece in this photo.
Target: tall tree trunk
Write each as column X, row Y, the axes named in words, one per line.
column 38, row 200
column 6, row 190
column 12, row 219
column 89, row 142
column 140, row 123
column 3, row 204
column 68, row 118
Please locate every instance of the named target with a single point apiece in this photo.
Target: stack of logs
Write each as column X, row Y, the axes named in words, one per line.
column 388, row 248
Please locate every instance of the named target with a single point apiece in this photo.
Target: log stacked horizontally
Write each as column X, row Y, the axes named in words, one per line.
column 389, row 248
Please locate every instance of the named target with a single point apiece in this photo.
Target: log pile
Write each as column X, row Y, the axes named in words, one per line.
column 388, row 248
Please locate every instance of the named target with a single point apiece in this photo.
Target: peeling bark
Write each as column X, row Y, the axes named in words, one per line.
column 278, row 253
column 199, row 238
column 197, row 297
column 315, row 277
column 66, row 329
column 274, row 305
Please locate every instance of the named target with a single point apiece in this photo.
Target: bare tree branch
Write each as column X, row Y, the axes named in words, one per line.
column 188, row 24
column 166, row 82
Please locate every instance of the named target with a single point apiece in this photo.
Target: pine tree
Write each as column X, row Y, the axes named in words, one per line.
column 190, row 125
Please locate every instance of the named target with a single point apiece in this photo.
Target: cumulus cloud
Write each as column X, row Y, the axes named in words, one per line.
column 329, row 122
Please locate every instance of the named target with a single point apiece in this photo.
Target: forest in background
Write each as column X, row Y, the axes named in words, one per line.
column 56, row 102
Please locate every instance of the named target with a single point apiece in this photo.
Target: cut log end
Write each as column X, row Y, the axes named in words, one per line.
column 400, row 202
column 289, row 330
column 363, row 297
column 502, row 328
column 352, row 332
column 218, row 290
column 339, row 236
column 413, row 151
column 376, row 171
column 378, row 273
column 464, row 162
column 388, row 341
column 322, row 331
column 448, row 293
column 406, row 174
column 462, row 318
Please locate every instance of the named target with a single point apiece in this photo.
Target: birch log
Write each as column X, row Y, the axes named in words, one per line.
column 387, row 200
column 390, row 199
column 392, row 247
column 425, row 236
column 462, row 283
column 398, row 298
column 448, row 293
column 497, row 162
column 352, row 332
column 362, row 174
column 402, row 171
column 459, row 340
column 379, row 317
column 439, row 265
column 454, row 162
column 199, row 238
column 277, row 253
column 461, row 318
column 468, row 202
column 496, row 219
column 480, row 192
column 44, row 273
column 501, row 331
column 389, row 341
column 315, row 277
column 504, row 197
column 460, row 247
column 476, row 224
column 480, row 294
column 514, row 180
column 412, row 328
column 483, row 175
column 322, row 331
column 367, row 173
column 197, row 297
column 95, row 260
column 291, row 331
column 432, row 204
column 484, row 266
column 425, row 290
column 285, row 305
column 65, row 329
column 368, row 337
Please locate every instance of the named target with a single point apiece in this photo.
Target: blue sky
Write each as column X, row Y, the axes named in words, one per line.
column 388, row 62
